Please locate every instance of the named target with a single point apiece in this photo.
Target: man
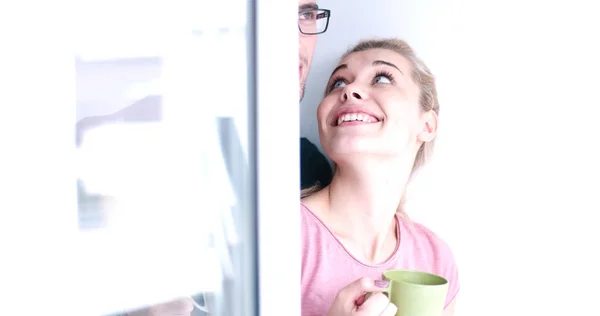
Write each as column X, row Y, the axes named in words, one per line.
column 315, row 169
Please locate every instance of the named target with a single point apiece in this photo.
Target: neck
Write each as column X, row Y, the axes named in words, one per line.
column 363, row 199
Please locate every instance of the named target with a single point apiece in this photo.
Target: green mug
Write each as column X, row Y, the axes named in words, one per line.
column 416, row 293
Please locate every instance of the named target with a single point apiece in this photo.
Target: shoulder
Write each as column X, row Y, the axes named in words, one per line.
column 313, row 229
column 428, row 245
column 435, row 254
column 314, row 167
column 305, row 142
column 424, row 237
column 311, row 239
column 306, row 220
column 307, row 148
column 309, row 220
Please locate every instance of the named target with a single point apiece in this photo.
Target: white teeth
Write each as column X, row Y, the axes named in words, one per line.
column 349, row 117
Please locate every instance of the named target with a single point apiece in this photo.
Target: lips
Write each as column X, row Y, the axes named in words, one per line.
column 354, row 115
column 356, row 118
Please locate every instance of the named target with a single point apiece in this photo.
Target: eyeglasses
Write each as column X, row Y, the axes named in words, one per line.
column 313, row 21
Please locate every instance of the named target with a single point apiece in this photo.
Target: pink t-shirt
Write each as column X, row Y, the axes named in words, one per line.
column 327, row 267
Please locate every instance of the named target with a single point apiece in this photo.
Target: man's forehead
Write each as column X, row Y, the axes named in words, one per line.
column 307, row 4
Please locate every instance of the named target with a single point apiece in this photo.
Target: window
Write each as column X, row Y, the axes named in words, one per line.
column 142, row 173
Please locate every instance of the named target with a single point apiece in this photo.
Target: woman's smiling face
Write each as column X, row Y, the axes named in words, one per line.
column 371, row 107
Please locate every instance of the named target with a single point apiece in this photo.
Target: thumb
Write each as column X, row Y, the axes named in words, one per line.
column 356, row 289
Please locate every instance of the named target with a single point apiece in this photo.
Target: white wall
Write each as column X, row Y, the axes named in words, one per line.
column 512, row 184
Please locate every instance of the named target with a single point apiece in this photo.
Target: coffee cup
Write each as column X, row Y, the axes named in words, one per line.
column 416, row 293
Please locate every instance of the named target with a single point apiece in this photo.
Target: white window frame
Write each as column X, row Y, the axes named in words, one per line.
column 278, row 158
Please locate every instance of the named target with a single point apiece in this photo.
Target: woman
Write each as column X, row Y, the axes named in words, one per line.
column 377, row 122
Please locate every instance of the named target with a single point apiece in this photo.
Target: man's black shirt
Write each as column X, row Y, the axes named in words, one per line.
column 314, row 167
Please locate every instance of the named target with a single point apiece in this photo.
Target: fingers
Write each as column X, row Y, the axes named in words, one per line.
column 361, row 299
column 375, row 304
column 378, row 304
column 355, row 289
column 390, row 310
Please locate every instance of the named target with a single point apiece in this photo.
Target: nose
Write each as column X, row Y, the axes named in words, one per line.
column 352, row 93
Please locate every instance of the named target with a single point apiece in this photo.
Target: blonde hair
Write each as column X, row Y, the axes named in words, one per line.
column 424, row 79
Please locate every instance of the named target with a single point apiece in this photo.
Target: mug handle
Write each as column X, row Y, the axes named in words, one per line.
column 386, row 291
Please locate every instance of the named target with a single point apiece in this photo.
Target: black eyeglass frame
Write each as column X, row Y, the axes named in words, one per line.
column 326, row 14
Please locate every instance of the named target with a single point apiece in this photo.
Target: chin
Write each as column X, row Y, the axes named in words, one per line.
column 342, row 146
column 360, row 149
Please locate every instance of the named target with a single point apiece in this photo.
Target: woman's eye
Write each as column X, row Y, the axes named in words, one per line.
column 338, row 84
column 382, row 79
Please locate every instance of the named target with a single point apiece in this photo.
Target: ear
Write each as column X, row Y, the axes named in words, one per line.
column 429, row 123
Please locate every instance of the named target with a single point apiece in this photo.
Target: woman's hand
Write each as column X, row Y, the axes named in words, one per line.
column 351, row 300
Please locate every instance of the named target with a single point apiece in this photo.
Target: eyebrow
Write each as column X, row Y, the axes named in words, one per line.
column 375, row 63
column 382, row 62
column 308, row 6
column 342, row 66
